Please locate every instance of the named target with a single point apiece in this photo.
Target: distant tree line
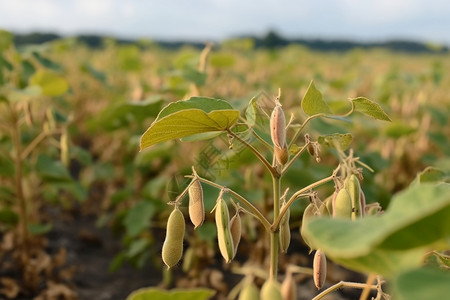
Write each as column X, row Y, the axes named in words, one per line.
column 271, row 40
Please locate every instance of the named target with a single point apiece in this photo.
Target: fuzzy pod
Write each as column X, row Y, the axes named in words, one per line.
column 271, row 290
column 319, row 269
column 362, row 199
column 342, row 205
column 289, row 288
column 172, row 249
column 189, row 259
column 249, row 292
column 308, row 214
column 282, row 154
column 285, row 232
column 224, row 238
column 64, row 146
column 196, row 206
column 236, row 231
column 278, row 127
column 354, row 190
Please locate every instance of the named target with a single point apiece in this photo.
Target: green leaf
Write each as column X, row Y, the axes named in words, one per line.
column 121, row 115
column 336, row 141
column 430, row 174
column 52, row 170
column 423, row 283
column 313, row 103
column 50, row 83
column 49, row 64
column 137, row 247
column 6, row 39
column 8, row 216
column 416, row 219
column 138, row 218
column 185, row 118
column 38, row 229
column 370, row 108
column 175, row 294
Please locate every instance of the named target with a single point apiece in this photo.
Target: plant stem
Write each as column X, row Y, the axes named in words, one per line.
column 251, row 208
column 366, row 290
column 343, row 284
column 23, row 225
column 272, row 170
column 274, row 233
column 286, row 167
column 295, row 196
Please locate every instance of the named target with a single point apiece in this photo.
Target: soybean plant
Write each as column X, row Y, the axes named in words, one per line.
column 199, row 116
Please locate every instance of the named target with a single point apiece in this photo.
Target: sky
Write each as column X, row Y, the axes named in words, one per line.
column 215, row 20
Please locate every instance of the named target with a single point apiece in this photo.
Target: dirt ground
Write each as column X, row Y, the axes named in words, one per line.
column 90, row 251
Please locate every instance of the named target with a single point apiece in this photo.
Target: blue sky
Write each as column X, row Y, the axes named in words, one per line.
column 425, row 20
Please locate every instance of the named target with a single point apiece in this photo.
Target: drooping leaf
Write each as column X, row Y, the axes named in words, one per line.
column 250, row 112
column 50, row 83
column 337, row 140
column 38, row 229
column 48, row 63
column 370, row 108
column 138, row 218
column 52, row 170
column 175, row 294
column 184, row 118
column 121, row 115
column 422, row 283
column 313, row 103
column 416, row 219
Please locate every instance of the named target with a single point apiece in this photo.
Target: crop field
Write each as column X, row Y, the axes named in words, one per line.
column 96, row 154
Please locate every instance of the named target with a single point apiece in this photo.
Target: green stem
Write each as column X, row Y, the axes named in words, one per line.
column 272, row 170
column 297, row 133
column 296, row 196
column 343, row 284
column 250, row 207
column 274, row 233
column 286, row 167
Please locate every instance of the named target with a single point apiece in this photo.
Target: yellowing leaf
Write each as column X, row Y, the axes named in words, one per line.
column 50, row 83
column 313, row 103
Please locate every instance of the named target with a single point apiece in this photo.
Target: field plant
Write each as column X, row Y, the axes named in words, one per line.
column 34, row 156
column 343, row 226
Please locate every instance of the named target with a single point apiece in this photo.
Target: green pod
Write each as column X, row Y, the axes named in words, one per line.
column 249, row 292
column 224, row 238
column 235, row 229
column 354, row 190
column 271, row 290
column 172, row 249
column 342, row 207
column 308, row 214
column 285, row 232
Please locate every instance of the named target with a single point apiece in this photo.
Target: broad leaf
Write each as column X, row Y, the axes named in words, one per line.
column 416, row 219
column 313, row 103
column 370, row 108
column 138, row 218
column 337, row 140
column 186, row 118
column 52, row 170
column 423, row 283
column 50, row 83
column 175, row 294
